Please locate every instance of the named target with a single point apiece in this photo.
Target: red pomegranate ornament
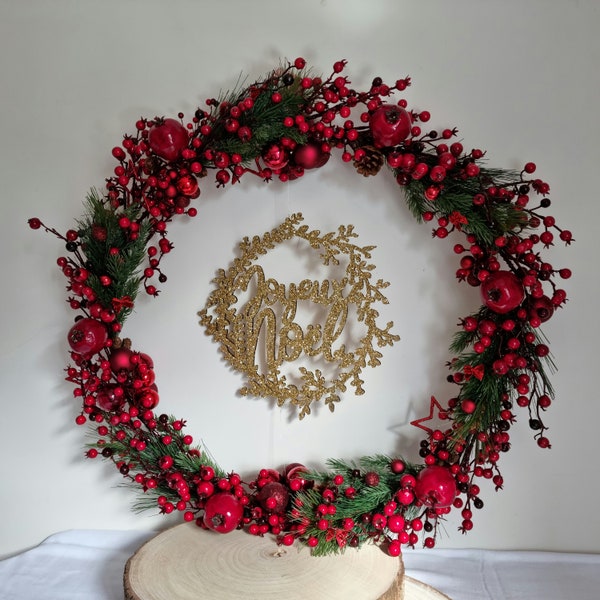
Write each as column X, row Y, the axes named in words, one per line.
column 275, row 157
column 223, row 512
column 87, row 336
column 389, row 124
column 502, row 292
column 542, row 308
column 436, row 487
column 310, row 156
column 274, row 497
column 167, row 139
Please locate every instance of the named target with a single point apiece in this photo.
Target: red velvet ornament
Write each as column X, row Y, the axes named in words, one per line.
column 223, row 512
column 168, row 139
column 275, row 157
column 87, row 336
column 389, row 125
column 274, row 497
column 310, row 156
column 502, row 292
column 436, row 487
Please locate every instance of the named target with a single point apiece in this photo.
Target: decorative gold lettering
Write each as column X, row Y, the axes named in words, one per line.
column 264, row 334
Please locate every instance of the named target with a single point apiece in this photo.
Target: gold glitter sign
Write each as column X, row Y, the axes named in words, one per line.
column 262, row 335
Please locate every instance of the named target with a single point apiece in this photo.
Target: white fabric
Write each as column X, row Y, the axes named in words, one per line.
column 88, row 565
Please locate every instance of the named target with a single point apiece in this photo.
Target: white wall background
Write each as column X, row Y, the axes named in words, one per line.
column 518, row 78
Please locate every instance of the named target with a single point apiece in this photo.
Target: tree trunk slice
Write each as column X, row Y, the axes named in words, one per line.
column 188, row 563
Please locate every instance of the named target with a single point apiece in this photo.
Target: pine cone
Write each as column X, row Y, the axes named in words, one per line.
column 371, row 162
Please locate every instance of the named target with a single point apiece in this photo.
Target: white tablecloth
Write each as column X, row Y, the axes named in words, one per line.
column 88, row 565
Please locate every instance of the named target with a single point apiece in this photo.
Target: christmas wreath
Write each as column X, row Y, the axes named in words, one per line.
column 284, row 125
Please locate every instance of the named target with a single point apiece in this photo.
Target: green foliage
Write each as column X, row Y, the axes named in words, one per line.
column 485, row 222
column 265, row 118
column 123, row 266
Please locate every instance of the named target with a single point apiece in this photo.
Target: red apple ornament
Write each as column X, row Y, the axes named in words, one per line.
column 502, row 292
column 436, row 487
column 389, row 124
column 87, row 336
column 223, row 512
column 168, row 139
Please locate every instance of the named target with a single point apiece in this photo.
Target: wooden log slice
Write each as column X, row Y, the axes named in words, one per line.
column 188, row 563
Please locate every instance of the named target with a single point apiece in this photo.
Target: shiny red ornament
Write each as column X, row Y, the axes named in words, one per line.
column 188, row 186
column 275, row 157
column 120, row 360
column 148, row 397
column 168, row 139
column 310, row 156
column 389, row 125
column 502, row 292
column 436, row 487
column 223, row 512
column 110, row 398
column 87, row 336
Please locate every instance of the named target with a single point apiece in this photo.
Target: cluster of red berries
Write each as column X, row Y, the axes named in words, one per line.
column 282, row 126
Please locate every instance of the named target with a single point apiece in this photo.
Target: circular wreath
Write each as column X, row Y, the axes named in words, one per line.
column 284, row 125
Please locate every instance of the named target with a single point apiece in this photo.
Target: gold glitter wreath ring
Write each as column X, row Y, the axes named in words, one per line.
column 238, row 332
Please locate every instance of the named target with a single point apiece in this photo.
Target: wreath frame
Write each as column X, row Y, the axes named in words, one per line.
column 285, row 124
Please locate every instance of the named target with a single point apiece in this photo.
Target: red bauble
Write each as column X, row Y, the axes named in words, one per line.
column 310, row 156
column 87, row 336
column 389, row 125
column 274, row 497
column 110, row 398
column 223, row 512
column 275, row 157
column 188, row 186
column 147, row 397
column 502, row 292
column 120, row 360
column 436, row 487
column 168, row 139
column 292, row 468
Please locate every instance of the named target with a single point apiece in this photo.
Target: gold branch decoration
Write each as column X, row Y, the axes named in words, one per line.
column 260, row 336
